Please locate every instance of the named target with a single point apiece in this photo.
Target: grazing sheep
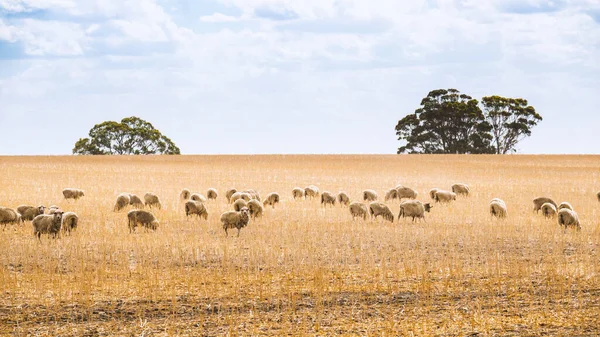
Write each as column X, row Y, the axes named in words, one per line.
column 311, row 191
column 253, row 194
column 151, row 200
column 195, row 207
column 567, row 217
column 443, row 196
column 29, row 212
column 327, row 199
column 229, row 193
column 240, row 195
column 239, row 204
column 47, row 224
column 369, row 195
column 9, row 215
column 432, row 193
column 198, row 197
column 538, row 202
column 255, row 208
column 271, row 199
column 414, row 209
column 185, row 194
column 548, row 210
column 143, row 218
column 391, row 194
column 69, row 222
column 598, row 195
column 377, row 208
column 234, row 219
column 461, row 189
column 343, row 199
column 297, row 193
column 406, row 192
column 358, row 209
column 498, row 208
column 565, row 204
column 123, row 200
column 212, row 194
column 73, row 193
column 135, row 201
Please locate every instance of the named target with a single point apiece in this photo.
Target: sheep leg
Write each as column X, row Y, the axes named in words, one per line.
column 238, row 234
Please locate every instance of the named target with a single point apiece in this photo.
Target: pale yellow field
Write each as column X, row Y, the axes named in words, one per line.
column 302, row 269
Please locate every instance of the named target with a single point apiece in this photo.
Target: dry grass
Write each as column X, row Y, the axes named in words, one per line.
column 303, row 270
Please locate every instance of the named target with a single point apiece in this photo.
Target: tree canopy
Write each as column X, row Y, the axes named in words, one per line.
column 132, row 135
column 451, row 122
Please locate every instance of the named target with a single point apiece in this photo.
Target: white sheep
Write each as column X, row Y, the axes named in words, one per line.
column 212, row 194
column 143, row 218
column 298, row 193
column 195, row 208
column 185, row 194
column 538, row 202
column 233, row 219
column 255, row 208
column 461, row 189
column 239, row 204
column 391, row 194
column 432, row 193
column 123, row 200
column 369, row 195
column 311, row 191
column 73, row 193
column 377, row 208
column 151, row 200
column 498, row 208
column 568, row 218
column 9, row 216
column 47, row 224
column 443, row 196
column 406, row 193
column 327, row 198
column 240, row 195
column 565, row 204
column 358, row 209
column 414, row 209
column 229, row 193
column 548, row 210
column 271, row 199
column 29, row 212
column 253, row 194
column 69, row 222
column 198, row 197
column 343, row 198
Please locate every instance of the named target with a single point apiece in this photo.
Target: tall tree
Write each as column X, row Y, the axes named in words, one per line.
column 131, row 136
column 446, row 122
column 511, row 120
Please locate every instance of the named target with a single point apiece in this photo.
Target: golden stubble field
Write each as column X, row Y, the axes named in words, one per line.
column 303, row 269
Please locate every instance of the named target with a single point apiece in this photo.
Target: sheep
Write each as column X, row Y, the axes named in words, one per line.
column 123, row 200
column 391, row 194
column 377, row 208
column 255, row 208
column 212, row 194
column 135, row 201
column 240, row 195
column 271, row 199
column 538, row 202
column 565, row 204
column 414, row 209
column 369, row 195
column 343, row 198
column 47, row 224
column 198, row 197
column 548, row 210
column 498, row 208
column 229, row 193
column 239, row 204
column 598, row 195
column 54, row 209
column 69, row 222
column 151, row 200
column 432, row 193
column 9, row 216
column 327, row 199
column 29, row 212
column 406, row 192
column 358, row 209
column 461, row 189
column 443, row 196
column 196, row 207
column 185, row 194
column 234, row 219
column 311, row 191
column 73, row 193
column 297, row 193
column 143, row 218
column 567, row 217
column 253, row 194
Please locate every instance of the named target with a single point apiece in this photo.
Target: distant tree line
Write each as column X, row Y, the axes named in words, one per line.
column 451, row 122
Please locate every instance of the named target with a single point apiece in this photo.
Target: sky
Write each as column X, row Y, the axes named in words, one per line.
column 290, row 76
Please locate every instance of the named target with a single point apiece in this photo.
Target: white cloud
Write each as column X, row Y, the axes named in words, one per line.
column 218, row 17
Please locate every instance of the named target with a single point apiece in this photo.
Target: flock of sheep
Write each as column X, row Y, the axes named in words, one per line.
column 247, row 205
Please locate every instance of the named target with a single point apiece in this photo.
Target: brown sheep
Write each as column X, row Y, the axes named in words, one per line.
column 358, row 209
column 377, row 208
column 144, row 218
column 29, row 212
column 538, row 202
column 195, row 208
column 327, row 199
column 151, row 200
column 343, row 199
